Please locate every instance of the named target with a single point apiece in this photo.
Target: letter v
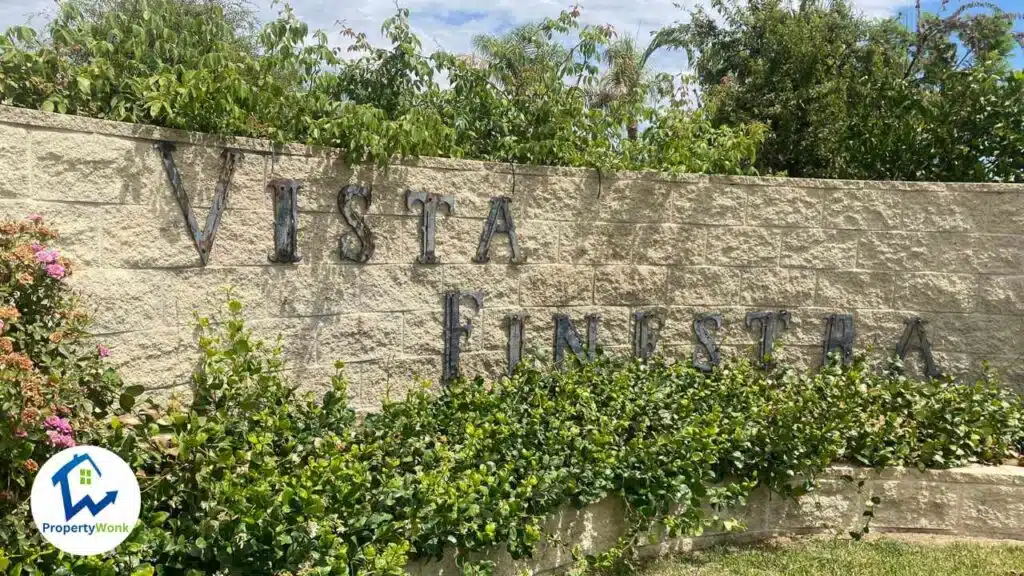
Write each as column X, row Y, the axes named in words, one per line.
column 203, row 238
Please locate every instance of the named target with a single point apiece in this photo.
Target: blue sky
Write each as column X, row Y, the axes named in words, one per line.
column 451, row 24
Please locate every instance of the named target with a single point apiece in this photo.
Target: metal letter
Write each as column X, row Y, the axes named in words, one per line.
column 838, row 336
column 768, row 325
column 567, row 335
column 428, row 220
column 701, row 324
column 914, row 335
column 203, row 239
column 357, row 223
column 454, row 330
column 514, row 325
column 286, row 220
column 645, row 337
column 499, row 221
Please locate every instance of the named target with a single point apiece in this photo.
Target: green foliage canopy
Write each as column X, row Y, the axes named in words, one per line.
column 197, row 65
column 844, row 96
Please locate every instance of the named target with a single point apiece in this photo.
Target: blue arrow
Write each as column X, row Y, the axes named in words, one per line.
column 86, row 502
column 70, row 510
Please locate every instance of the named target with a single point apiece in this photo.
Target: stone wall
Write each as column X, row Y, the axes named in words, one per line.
column 610, row 244
column 976, row 502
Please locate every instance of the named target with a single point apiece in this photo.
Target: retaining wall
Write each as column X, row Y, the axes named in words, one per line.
column 977, row 501
column 607, row 244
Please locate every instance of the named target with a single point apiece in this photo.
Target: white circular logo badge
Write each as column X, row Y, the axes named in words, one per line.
column 85, row 500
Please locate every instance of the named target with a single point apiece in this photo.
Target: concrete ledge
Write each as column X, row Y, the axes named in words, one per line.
column 976, row 501
column 68, row 122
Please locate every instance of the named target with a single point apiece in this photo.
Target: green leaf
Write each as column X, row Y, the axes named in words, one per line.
column 126, row 401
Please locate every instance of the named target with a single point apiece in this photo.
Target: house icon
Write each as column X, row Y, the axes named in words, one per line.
column 85, row 478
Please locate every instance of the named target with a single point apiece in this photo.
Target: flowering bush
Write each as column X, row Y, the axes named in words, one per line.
column 53, row 383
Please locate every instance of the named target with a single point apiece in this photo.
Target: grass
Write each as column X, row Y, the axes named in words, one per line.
column 881, row 557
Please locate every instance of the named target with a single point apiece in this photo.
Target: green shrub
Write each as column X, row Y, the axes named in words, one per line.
column 253, row 478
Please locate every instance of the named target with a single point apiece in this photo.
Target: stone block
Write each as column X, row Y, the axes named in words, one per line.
column 710, row 204
column 323, row 176
column 348, row 289
column 299, row 339
column 933, row 292
column 629, row 199
column 1003, row 212
column 355, row 337
column 550, row 197
column 996, row 253
column 392, row 379
column 556, row 285
column 245, row 238
column 17, row 171
column 678, row 327
column 939, row 211
column 976, row 334
column 458, row 238
column 629, row 285
column 704, row 286
column 78, row 167
column 423, row 332
column 669, row 245
column 597, row 243
column 916, row 251
column 127, row 300
column 787, row 206
column 778, row 287
column 490, row 366
column 742, row 246
column 859, row 209
column 158, row 359
column 817, row 248
column 915, row 505
column 851, row 289
column 1001, row 294
column 539, row 240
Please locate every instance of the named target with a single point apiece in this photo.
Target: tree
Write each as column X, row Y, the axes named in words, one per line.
column 195, row 65
column 628, row 80
column 851, row 97
column 524, row 60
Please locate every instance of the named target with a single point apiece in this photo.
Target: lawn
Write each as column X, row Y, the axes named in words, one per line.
column 881, row 557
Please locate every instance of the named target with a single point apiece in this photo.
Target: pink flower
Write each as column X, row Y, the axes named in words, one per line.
column 20, row 434
column 47, row 256
column 36, row 246
column 55, row 271
column 38, row 219
column 103, row 351
column 57, row 423
column 60, row 440
column 2, row 325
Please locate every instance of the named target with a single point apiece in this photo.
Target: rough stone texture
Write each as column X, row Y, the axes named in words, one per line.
column 976, row 501
column 607, row 244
